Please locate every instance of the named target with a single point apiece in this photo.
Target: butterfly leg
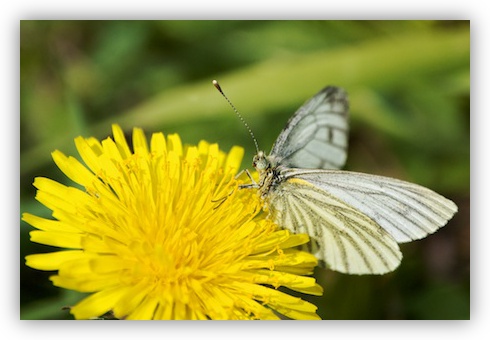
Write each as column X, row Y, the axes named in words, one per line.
column 249, row 185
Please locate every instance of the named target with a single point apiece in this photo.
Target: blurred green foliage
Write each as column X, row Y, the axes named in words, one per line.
column 409, row 87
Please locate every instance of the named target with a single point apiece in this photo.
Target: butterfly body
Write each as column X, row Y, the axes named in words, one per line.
column 355, row 220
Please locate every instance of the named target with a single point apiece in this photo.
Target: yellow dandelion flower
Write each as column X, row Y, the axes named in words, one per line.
column 162, row 232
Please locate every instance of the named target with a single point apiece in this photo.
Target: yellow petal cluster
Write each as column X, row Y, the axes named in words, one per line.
column 162, row 231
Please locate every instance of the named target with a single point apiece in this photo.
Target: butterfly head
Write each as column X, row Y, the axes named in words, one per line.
column 261, row 162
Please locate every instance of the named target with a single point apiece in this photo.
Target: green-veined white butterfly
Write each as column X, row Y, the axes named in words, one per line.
column 355, row 220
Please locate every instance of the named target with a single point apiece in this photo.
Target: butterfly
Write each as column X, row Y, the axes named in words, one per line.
column 355, row 220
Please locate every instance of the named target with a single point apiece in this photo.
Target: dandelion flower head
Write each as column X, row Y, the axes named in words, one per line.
column 163, row 232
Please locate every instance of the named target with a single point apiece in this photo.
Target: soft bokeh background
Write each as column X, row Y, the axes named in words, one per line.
column 409, row 87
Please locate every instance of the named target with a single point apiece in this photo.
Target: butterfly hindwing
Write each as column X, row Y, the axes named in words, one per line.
column 347, row 240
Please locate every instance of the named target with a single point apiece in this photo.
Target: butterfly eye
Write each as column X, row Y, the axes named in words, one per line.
column 254, row 161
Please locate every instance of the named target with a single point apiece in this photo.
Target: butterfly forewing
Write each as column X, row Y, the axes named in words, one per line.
column 405, row 210
column 316, row 136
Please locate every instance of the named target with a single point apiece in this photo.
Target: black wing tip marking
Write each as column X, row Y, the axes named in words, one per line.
column 335, row 92
column 332, row 89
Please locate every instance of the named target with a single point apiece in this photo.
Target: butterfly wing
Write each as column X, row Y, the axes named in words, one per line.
column 316, row 136
column 357, row 219
column 405, row 210
column 344, row 239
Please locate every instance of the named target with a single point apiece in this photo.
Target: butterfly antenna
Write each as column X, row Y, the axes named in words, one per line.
column 216, row 84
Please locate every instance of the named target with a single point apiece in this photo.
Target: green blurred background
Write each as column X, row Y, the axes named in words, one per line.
column 409, row 88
